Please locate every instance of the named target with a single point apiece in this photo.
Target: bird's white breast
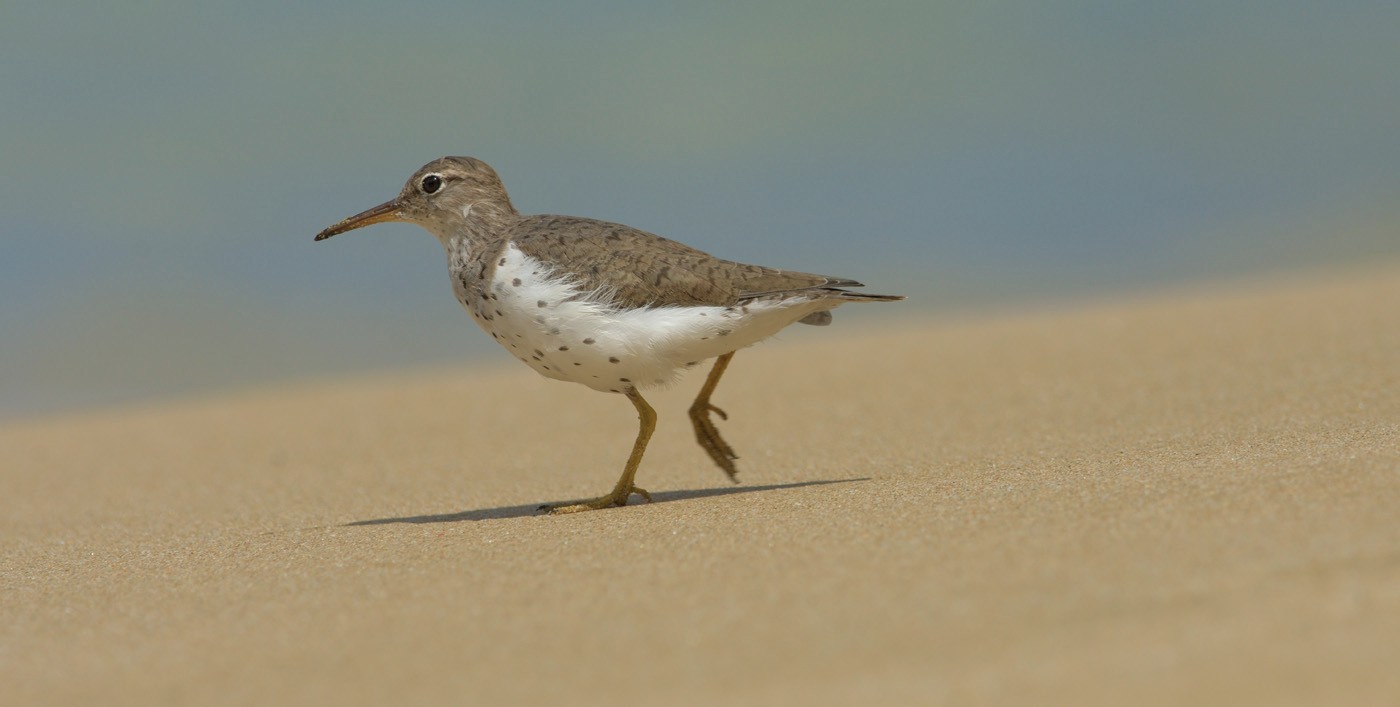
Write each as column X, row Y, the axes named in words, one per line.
column 568, row 333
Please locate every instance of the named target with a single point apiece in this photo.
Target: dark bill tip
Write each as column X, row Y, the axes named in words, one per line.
column 387, row 211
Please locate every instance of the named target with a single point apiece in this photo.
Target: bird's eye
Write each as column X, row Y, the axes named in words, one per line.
column 431, row 184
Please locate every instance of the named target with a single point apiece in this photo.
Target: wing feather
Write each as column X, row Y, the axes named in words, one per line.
column 643, row 269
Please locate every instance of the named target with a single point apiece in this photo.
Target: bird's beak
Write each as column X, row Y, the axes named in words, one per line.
column 387, row 211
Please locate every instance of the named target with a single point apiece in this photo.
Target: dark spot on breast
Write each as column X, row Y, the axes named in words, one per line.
column 613, row 359
column 539, row 352
column 614, row 390
column 563, row 348
column 588, row 341
column 546, row 368
column 541, row 304
column 515, row 282
column 502, row 262
column 724, row 332
column 499, row 313
column 624, row 380
column 576, row 363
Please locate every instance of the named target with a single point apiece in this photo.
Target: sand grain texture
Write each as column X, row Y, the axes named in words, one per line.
column 1187, row 499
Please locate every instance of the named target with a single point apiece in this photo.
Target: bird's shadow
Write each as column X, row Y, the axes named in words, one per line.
column 532, row 509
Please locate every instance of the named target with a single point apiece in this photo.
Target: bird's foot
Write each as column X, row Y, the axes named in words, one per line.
column 617, row 498
column 708, row 436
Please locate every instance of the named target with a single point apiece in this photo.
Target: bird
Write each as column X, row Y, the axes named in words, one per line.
column 611, row 307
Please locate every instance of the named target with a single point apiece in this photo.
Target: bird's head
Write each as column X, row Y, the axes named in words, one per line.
column 446, row 196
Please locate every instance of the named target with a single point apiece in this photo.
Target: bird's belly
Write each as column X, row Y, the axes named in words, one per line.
column 580, row 337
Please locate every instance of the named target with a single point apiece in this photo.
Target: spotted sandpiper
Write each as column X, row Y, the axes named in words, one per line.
column 614, row 308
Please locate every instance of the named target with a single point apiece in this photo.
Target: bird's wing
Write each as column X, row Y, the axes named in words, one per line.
column 642, row 269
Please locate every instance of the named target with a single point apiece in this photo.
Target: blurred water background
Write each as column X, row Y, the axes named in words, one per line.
column 164, row 165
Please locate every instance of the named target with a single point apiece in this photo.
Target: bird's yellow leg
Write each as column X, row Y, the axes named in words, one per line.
column 625, row 488
column 705, row 432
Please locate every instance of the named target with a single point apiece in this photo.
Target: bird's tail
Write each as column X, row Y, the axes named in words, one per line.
column 866, row 297
column 823, row 317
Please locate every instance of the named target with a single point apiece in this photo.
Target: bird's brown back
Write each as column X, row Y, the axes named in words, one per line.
column 643, row 269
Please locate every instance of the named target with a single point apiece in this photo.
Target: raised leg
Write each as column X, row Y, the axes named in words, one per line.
column 705, row 432
column 625, row 488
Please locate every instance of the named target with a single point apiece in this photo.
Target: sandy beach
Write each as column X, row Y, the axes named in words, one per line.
column 1185, row 498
